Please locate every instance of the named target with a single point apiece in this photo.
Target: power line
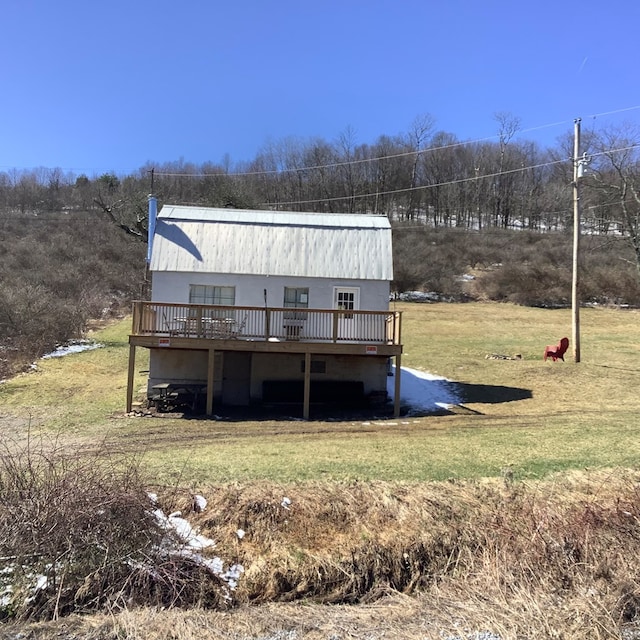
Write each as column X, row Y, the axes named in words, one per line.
column 420, row 187
column 607, row 152
column 321, row 166
column 615, row 111
column 404, row 154
column 448, row 183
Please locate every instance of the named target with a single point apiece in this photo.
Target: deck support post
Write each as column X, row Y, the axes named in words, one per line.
column 307, row 385
column 210, row 374
column 396, row 393
column 130, row 374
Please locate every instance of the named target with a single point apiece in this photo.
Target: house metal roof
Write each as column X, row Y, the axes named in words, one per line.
column 197, row 239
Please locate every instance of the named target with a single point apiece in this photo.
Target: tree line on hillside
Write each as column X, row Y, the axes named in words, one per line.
column 424, row 175
column 479, row 220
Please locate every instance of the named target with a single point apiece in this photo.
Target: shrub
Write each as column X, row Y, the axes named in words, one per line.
column 80, row 533
column 57, row 273
column 524, row 267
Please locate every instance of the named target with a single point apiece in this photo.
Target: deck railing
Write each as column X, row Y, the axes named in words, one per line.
column 264, row 323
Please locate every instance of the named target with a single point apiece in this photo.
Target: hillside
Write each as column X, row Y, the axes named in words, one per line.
column 60, row 271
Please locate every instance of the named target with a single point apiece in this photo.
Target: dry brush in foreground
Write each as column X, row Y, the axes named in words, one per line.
column 556, row 558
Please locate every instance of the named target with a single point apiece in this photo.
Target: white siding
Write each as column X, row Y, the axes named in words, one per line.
column 174, row 287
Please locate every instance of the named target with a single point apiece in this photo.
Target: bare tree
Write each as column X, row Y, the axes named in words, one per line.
column 345, row 146
column 615, row 176
column 124, row 210
column 383, row 173
column 508, row 126
column 419, row 132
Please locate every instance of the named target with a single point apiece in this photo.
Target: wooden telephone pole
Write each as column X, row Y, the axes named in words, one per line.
column 575, row 300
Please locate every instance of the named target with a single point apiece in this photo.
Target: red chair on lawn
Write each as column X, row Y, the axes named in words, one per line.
column 556, row 352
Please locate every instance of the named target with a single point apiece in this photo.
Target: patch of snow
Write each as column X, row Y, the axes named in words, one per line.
column 422, row 392
column 77, row 346
column 42, row 582
column 232, row 575
column 190, row 542
column 421, row 296
column 199, row 502
column 38, row 582
column 6, row 588
column 179, row 525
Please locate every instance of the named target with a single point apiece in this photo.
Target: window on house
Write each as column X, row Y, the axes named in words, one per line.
column 210, row 294
column 317, row 366
column 347, row 299
column 296, row 297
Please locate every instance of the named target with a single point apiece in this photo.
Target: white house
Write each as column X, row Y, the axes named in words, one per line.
column 268, row 306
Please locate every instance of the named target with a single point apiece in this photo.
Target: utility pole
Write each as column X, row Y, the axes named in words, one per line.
column 575, row 300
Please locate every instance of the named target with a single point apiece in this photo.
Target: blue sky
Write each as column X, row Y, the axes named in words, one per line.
column 92, row 87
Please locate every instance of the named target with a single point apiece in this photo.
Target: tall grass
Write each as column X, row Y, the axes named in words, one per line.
column 79, row 532
column 553, row 559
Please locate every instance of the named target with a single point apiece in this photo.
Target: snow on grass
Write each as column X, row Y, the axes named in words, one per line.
column 191, row 542
column 422, row 392
column 77, row 346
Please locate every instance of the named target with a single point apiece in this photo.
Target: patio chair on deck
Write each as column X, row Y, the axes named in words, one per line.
column 238, row 329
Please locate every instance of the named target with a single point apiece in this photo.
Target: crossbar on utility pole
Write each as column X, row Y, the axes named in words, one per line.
column 575, row 299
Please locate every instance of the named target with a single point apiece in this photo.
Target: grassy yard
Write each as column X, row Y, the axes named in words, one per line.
column 575, row 416
column 552, row 555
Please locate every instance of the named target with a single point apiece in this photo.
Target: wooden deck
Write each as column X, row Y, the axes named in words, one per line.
column 271, row 325
column 263, row 329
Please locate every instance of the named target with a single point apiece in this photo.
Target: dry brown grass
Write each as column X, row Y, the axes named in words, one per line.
column 551, row 559
column 80, row 533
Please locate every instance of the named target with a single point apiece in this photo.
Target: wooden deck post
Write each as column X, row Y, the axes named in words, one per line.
column 396, row 393
column 130, row 374
column 307, row 385
column 210, row 374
